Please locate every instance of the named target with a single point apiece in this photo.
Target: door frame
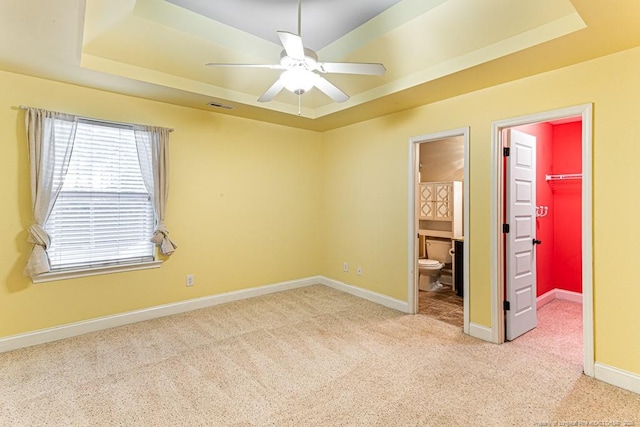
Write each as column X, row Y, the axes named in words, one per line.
column 497, row 202
column 414, row 160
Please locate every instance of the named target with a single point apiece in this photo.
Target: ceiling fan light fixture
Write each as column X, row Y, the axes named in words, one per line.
column 298, row 81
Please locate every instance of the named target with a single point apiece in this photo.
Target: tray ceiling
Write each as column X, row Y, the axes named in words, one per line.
column 157, row 48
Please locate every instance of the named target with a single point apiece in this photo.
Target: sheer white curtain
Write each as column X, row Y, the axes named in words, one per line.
column 50, row 136
column 153, row 155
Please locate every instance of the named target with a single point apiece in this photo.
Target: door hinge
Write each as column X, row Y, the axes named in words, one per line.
column 505, row 228
column 506, row 306
column 506, row 151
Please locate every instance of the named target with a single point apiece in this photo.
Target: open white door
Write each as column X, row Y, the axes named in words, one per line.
column 520, row 290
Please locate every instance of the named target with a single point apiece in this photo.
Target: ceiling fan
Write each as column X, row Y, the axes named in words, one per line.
column 302, row 70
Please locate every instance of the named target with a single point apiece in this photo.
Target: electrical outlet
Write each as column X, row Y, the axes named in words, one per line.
column 359, row 271
column 345, row 267
column 190, row 280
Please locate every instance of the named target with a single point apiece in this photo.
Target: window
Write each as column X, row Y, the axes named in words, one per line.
column 103, row 215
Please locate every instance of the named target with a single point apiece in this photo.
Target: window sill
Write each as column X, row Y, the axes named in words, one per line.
column 94, row 271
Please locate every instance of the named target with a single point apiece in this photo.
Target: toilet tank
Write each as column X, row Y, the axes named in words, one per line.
column 439, row 250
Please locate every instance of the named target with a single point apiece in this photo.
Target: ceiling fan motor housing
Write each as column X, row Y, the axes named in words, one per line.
column 309, row 62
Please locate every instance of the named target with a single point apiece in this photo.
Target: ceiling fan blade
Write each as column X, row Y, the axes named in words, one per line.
column 292, row 44
column 330, row 89
column 271, row 66
column 272, row 91
column 351, row 68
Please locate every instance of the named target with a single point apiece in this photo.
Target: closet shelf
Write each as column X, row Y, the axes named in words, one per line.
column 564, row 177
column 565, row 182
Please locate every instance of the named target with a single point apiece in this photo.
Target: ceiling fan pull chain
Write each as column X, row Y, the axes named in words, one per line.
column 299, row 104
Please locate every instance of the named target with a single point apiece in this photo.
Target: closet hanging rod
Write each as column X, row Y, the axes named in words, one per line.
column 24, row 107
column 560, row 177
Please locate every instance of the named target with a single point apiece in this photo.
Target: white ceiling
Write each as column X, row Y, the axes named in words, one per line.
column 432, row 49
column 322, row 23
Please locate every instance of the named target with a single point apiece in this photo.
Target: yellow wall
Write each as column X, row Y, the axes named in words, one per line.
column 365, row 215
column 282, row 203
column 244, row 207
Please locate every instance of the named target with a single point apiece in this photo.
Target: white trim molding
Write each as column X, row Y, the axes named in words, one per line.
column 69, row 330
column 556, row 293
column 381, row 299
column 617, row 377
column 94, row 271
column 481, row 332
column 569, row 295
column 545, row 298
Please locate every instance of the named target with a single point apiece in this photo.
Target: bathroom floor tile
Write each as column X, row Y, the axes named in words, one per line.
column 443, row 305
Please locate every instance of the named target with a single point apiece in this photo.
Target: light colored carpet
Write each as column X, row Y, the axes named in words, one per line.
column 307, row 357
column 559, row 333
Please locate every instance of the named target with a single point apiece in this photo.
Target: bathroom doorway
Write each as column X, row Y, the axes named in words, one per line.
column 552, row 226
column 438, row 206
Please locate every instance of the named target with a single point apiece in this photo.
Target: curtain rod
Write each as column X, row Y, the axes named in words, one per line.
column 23, row 107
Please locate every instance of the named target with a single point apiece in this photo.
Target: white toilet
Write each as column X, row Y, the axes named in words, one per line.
column 438, row 252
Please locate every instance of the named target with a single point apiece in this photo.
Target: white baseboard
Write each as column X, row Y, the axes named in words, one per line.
column 381, row 299
column 480, row 332
column 569, row 295
column 617, row 377
column 69, row 330
column 546, row 298
column 78, row 328
column 549, row 296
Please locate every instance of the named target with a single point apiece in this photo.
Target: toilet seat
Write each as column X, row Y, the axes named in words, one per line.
column 429, row 264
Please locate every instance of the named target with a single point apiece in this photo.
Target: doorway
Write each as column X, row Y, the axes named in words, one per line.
column 432, row 222
column 503, row 258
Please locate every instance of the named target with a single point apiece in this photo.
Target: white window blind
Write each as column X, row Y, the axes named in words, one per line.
column 103, row 214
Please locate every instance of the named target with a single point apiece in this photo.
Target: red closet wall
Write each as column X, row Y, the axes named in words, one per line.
column 567, row 158
column 558, row 258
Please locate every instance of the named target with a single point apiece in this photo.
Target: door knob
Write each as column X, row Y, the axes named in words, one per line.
column 537, row 242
